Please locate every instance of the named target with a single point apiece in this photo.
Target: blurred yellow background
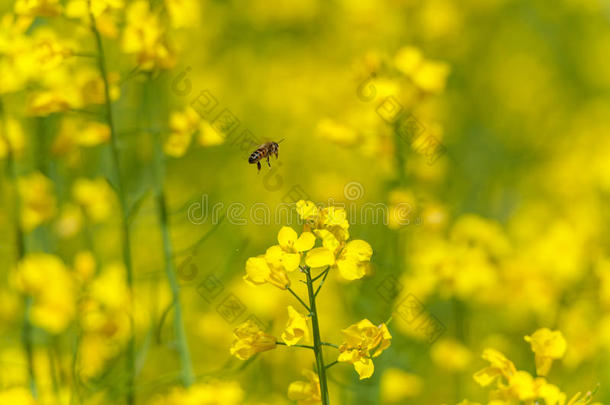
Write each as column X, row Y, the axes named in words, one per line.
column 467, row 143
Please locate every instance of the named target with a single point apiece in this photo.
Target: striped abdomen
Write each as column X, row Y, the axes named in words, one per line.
column 257, row 155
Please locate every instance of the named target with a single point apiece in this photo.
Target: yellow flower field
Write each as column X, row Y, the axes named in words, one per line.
column 304, row 202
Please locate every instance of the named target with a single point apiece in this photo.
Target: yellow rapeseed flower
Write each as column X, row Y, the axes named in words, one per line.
column 183, row 13
column 431, row 76
column 18, row 62
column 408, row 60
column 306, row 392
column 288, row 253
column 144, row 36
column 103, row 11
column 307, row 210
column 360, row 339
column 320, row 257
column 208, row 393
column 95, row 197
column 33, row 8
column 110, row 288
column 69, row 221
column 398, row 385
column 48, row 281
column 296, row 328
column 259, row 271
column 79, row 132
column 353, row 261
column 499, row 366
column 183, row 125
column 37, row 200
column 12, row 138
column 451, row 355
column 330, row 224
column 84, row 265
column 208, row 136
column 547, row 345
column 93, row 134
column 105, row 315
column 428, row 75
column 250, row 340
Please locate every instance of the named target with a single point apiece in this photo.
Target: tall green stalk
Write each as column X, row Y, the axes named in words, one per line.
column 186, row 366
column 317, row 342
column 26, row 332
column 131, row 359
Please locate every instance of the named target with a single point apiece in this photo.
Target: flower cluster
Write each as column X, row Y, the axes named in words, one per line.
column 518, row 385
column 363, row 341
column 183, row 125
column 209, row 393
column 350, row 258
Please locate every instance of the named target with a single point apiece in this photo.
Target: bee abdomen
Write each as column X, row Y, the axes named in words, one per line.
column 254, row 157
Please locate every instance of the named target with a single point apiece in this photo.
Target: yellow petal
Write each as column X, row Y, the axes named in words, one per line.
column 273, row 255
column 329, row 240
column 257, row 270
column 364, row 367
column 299, row 390
column 291, row 261
column 543, row 365
column 319, row 257
column 296, row 328
column 351, row 269
column 307, row 209
column 498, row 360
column 547, row 343
column 286, row 237
column 359, row 250
column 486, row 376
column 305, row 242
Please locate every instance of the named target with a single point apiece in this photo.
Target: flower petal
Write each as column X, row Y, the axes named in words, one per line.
column 257, row 270
column 328, row 239
column 351, row 269
column 319, row 257
column 273, row 255
column 307, row 209
column 286, row 237
column 305, row 242
column 296, row 328
column 364, row 367
column 291, row 261
column 359, row 250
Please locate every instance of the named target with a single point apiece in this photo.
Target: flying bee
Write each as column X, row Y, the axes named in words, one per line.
column 265, row 151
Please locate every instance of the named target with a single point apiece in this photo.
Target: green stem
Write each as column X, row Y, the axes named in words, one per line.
column 284, row 344
column 131, row 349
column 299, row 298
column 321, row 283
column 26, row 333
column 186, row 365
column 322, row 273
column 398, row 153
column 332, row 364
column 26, row 339
column 329, row 344
column 317, row 342
column 458, row 314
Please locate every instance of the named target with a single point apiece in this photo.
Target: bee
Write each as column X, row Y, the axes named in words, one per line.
column 265, row 151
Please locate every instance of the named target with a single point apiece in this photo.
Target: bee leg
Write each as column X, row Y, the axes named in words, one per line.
column 258, row 164
column 268, row 162
column 276, row 155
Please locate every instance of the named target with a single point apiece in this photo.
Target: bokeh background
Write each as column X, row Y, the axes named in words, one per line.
column 479, row 129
